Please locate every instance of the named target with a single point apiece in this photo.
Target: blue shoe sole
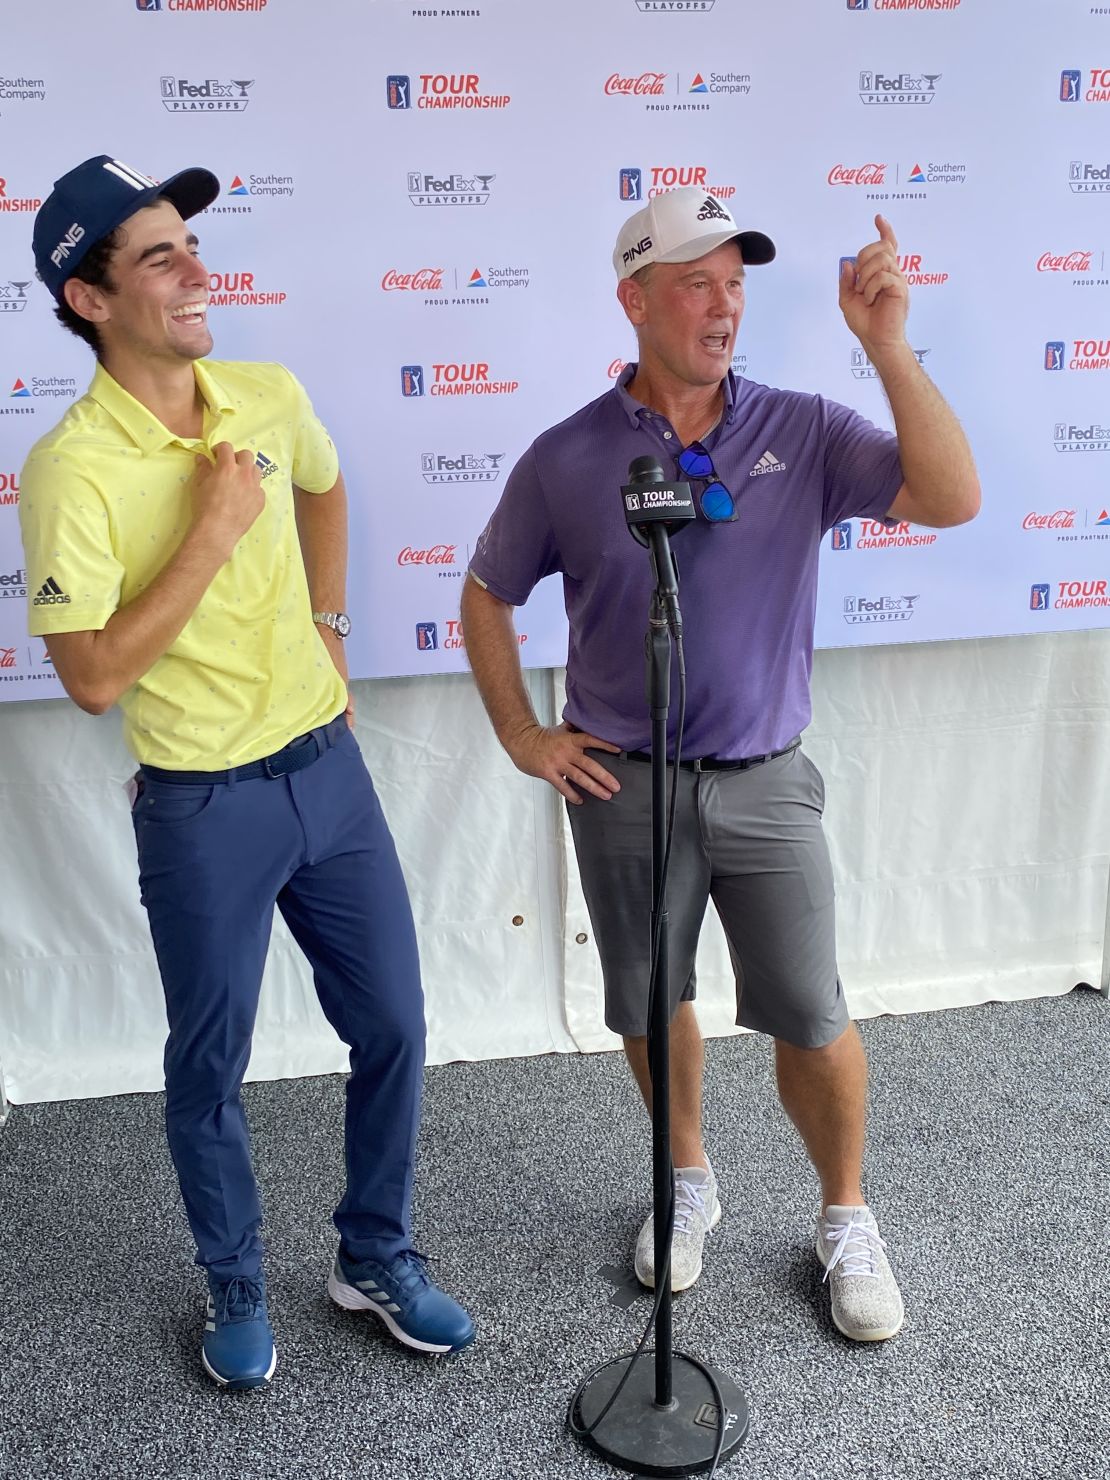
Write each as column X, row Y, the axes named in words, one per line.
column 239, row 1384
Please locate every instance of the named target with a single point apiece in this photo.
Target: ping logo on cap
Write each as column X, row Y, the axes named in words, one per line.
column 642, row 246
column 67, row 244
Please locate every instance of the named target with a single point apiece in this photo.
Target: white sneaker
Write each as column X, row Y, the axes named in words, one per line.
column 866, row 1302
column 696, row 1210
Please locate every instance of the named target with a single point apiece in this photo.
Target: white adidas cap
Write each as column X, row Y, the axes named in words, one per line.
column 681, row 226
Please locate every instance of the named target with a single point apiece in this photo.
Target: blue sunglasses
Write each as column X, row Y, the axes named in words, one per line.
column 717, row 504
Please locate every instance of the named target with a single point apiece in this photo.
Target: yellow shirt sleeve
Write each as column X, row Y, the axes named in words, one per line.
column 315, row 460
column 74, row 578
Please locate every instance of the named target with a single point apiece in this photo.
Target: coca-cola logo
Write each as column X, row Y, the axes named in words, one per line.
column 7, row 657
column 427, row 280
column 434, row 555
column 649, row 84
column 1062, row 519
column 1072, row 262
column 615, row 369
column 863, row 174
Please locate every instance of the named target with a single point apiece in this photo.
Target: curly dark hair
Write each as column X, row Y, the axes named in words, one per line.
column 93, row 269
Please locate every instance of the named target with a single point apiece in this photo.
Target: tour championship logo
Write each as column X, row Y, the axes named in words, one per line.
column 634, row 183
column 899, row 89
column 207, row 6
column 694, row 92
column 9, row 490
column 1068, row 437
column 1077, row 354
column 448, row 190
column 239, row 290
column 464, row 378
column 211, row 95
column 441, row 90
column 11, row 201
column 914, row 270
column 1068, row 595
column 13, row 295
column 22, row 90
column 875, row 535
column 428, row 637
column 903, row 4
column 863, row 369
column 244, row 190
column 1089, row 86
column 861, row 610
column 1086, row 177
column 461, row 467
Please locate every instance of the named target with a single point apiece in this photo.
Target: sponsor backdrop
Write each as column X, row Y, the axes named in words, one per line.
column 417, row 211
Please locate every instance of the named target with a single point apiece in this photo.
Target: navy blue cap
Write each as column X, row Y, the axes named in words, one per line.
column 89, row 202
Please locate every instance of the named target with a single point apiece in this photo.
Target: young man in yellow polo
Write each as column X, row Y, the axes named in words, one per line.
column 185, row 535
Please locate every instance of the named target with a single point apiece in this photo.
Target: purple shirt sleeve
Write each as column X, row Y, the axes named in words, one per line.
column 863, row 471
column 517, row 547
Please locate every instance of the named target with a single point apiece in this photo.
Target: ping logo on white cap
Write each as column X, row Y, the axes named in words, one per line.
column 638, row 249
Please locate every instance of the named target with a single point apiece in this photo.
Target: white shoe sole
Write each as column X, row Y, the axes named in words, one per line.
column 349, row 1298
column 647, row 1279
column 881, row 1334
column 262, row 1381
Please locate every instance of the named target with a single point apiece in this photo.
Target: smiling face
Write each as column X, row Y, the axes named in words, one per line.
column 158, row 306
column 687, row 314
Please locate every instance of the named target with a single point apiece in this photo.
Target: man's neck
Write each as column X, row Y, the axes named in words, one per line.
column 168, row 391
column 693, row 410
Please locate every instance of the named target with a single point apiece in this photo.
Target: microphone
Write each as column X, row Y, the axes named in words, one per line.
column 653, row 510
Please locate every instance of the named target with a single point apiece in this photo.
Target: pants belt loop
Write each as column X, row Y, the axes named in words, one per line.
column 231, row 777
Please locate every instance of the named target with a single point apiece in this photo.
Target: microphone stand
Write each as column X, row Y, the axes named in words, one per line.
column 692, row 1416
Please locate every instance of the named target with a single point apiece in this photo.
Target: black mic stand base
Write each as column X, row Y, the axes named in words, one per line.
column 639, row 1436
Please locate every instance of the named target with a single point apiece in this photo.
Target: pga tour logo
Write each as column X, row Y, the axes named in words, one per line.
column 179, row 95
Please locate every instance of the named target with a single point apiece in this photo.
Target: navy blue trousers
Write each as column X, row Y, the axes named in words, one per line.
column 213, row 862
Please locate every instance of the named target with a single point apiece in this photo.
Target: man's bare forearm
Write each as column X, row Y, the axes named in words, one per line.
column 494, row 654
column 322, row 531
column 937, row 463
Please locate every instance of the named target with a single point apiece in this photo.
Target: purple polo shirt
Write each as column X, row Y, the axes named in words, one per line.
column 795, row 463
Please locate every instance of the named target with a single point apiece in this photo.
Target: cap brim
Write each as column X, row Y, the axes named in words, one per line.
column 189, row 191
column 755, row 248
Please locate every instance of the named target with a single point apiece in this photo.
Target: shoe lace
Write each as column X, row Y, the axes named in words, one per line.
column 410, row 1272
column 691, row 1205
column 239, row 1299
column 854, row 1246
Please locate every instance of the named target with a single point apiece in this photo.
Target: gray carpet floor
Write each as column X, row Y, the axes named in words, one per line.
column 987, row 1166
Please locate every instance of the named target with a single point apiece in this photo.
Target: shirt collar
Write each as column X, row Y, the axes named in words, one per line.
column 141, row 425
column 634, row 409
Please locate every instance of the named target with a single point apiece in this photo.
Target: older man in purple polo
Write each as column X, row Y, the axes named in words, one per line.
column 772, row 471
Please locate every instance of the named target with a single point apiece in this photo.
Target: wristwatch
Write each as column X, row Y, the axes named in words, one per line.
column 339, row 622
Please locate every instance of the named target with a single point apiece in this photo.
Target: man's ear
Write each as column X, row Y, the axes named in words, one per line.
column 630, row 295
column 86, row 301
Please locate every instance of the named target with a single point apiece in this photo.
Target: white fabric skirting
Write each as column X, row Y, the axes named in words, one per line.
column 967, row 814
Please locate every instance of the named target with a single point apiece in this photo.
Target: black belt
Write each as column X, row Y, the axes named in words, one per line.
column 295, row 756
column 714, row 763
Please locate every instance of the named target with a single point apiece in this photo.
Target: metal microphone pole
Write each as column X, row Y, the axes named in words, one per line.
column 671, row 1426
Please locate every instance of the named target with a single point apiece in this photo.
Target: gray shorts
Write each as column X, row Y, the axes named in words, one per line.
column 752, row 842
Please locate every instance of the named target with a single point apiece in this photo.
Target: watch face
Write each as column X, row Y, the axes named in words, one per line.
column 342, row 624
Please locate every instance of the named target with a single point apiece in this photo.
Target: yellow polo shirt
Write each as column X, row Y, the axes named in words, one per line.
column 104, row 503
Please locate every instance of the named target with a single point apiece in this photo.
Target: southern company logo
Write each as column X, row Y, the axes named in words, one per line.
column 22, row 90
column 1086, row 354
column 244, row 191
column 13, row 296
column 1097, row 89
column 463, row 467
column 42, row 387
column 1069, row 438
column 654, row 86
column 440, row 90
column 470, row 287
column 452, row 190
column 868, row 609
column 664, row 177
column 471, row 378
column 1089, row 179
column 17, row 202
column 179, row 95
column 905, row 88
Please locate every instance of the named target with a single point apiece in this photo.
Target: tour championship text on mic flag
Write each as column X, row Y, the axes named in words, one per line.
column 417, row 210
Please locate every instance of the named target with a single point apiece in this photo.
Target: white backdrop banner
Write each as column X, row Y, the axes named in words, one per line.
column 418, row 207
